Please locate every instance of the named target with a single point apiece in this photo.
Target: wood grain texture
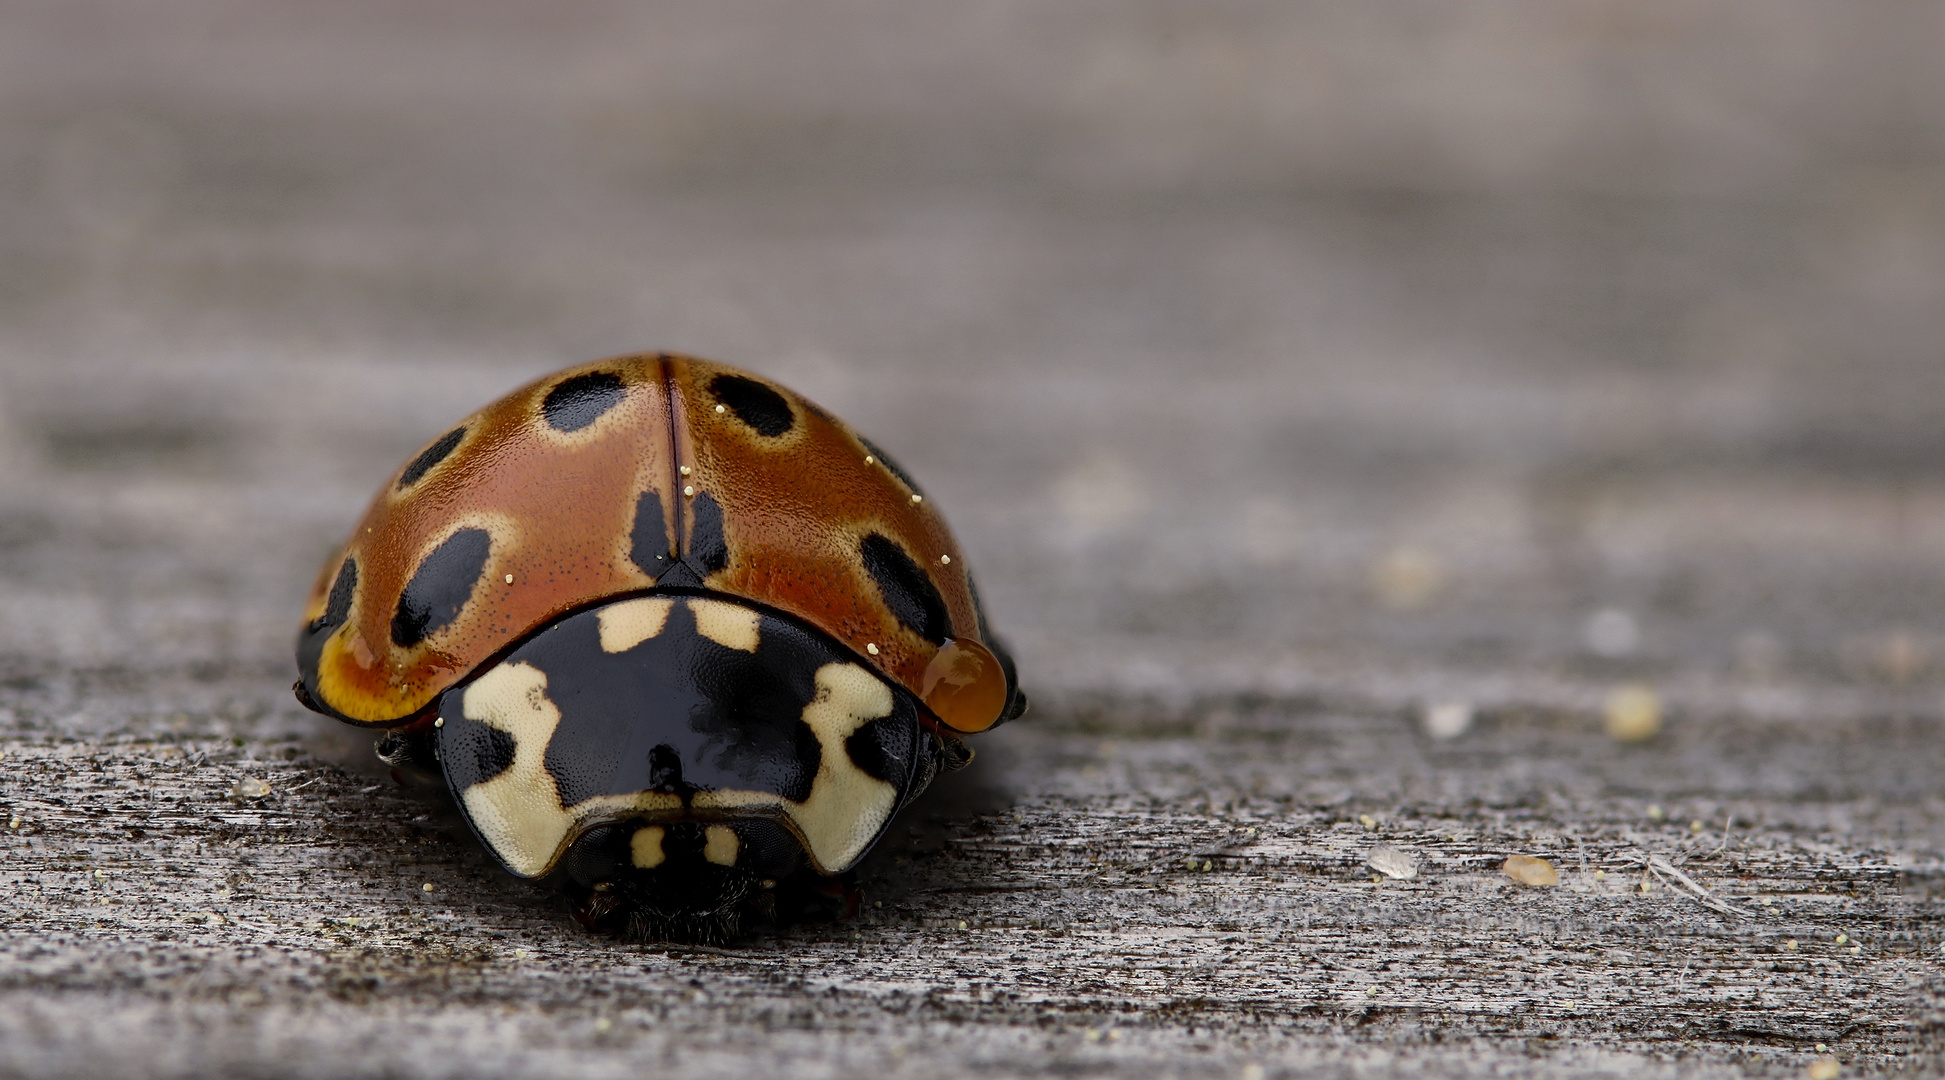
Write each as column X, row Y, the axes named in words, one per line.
column 1109, row 888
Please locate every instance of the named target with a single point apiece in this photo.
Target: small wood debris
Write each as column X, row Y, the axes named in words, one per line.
column 249, row 788
column 1825, row 1068
column 1672, row 874
column 1407, row 578
column 1392, row 862
column 1530, row 870
column 1631, row 713
column 1612, row 633
column 1446, row 719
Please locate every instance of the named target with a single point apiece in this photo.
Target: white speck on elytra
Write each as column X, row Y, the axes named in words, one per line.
column 719, row 408
column 871, row 647
column 509, row 579
column 684, row 470
column 870, row 460
column 689, row 490
column 441, row 722
column 945, row 560
column 918, row 498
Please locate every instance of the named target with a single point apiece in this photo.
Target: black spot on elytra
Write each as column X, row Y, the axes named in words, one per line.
column 337, row 607
column 430, row 456
column 886, row 460
column 1016, row 700
column 708, row 550
column 909, row 594
column 580, row 401
column 440, row 587
column 649, row 543
column 754, row 403
column 469, row 751
column 979, row 608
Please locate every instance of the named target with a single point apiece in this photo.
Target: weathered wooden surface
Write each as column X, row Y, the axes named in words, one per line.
column 1288, row 370
column 1186, row 894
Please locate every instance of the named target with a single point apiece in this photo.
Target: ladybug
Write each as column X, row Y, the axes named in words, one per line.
column 678, row 640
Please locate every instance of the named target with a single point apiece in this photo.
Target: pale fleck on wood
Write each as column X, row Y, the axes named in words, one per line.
column 1529, row 870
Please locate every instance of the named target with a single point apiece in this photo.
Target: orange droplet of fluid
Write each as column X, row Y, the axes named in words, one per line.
column 964, row 686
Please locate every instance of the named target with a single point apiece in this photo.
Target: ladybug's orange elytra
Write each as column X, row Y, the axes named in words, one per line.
column 634, row 474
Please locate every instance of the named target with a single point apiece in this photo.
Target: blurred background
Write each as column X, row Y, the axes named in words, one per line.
column 1500, row 352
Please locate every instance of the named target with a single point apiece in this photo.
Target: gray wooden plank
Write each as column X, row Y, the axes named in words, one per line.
column 1288, row 370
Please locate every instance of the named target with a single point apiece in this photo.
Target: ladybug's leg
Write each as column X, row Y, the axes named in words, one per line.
column 592, row 912
column 954, row 754
column 410, row 751
column 810, row 897
column 829, row 898
column 410, row 754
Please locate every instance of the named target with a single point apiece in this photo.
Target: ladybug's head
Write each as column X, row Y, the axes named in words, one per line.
column 681, row 881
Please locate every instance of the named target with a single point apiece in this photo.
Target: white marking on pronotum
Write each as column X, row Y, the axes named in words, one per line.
column 729, row 625
column 847, row 806
column 518, row 813
column 720, row 845
column 631, row 622
column 645, row 847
